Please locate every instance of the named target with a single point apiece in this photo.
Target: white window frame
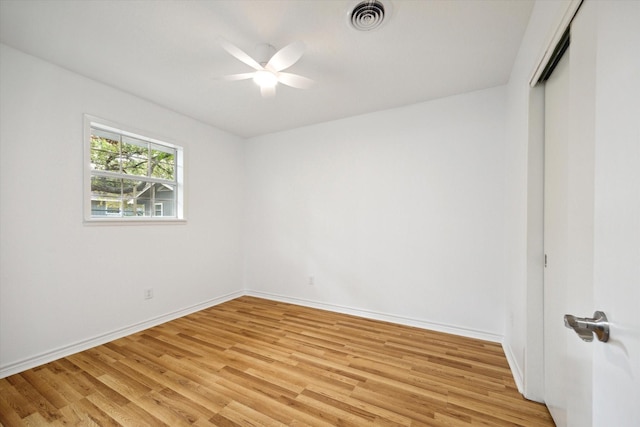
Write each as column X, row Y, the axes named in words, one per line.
column 106, row 125
column 158, row 205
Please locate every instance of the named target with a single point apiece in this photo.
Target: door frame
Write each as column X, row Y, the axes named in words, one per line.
column 533, row 378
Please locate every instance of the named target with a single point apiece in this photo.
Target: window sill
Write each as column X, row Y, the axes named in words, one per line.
column 135, row 221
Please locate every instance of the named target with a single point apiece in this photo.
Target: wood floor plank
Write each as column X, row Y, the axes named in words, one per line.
column 257, row 362
column 264, row 404
column 14, row 402
column 383, row 416
column 9, row 411
column 342, row 411
column 40, row 404
column 151, row 404
column 119, row 413
column 239, row 414
column 88, row 414
column 422, row 413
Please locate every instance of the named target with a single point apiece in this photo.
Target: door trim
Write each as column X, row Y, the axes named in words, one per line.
column 571, row 8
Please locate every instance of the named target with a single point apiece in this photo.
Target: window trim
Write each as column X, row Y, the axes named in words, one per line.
column 96, row 122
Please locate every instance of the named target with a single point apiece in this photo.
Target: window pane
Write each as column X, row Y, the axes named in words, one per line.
column 163, row 161
column 134, row 189
column 124, row 174
column 129, row 208
column 166, row 198
column 99, row 133
column 137, row 207
column 143, row 198
column 135, row 141
column 105, row 187
column 105, row 154
column 135, row 157
column 106, row 207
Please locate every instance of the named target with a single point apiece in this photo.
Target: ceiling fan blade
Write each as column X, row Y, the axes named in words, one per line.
column 239, row 54
column 286, row 57
column 295, row 80
column 234, row 77
column 267, row 91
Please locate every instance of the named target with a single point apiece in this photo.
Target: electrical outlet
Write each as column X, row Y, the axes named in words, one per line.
column 312, row 281
column 148, row 293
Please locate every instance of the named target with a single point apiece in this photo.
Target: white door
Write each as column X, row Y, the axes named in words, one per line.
column 592, row 218
column 616, row 365
column 555, row 240
column 568, row 247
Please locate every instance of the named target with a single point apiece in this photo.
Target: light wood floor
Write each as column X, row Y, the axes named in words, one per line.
column 254, row 362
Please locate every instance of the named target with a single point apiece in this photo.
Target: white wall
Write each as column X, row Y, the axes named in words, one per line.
column 65, row 285
column 397, row 214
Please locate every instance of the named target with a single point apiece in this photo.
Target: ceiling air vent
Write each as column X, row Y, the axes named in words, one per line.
column 367, row 15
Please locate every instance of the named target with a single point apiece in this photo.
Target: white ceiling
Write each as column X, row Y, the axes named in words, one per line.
column 167, row 52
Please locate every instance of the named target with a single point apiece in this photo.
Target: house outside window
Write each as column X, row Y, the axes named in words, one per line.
column 130, row 177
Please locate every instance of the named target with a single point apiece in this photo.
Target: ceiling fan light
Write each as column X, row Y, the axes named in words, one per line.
column 265, row 78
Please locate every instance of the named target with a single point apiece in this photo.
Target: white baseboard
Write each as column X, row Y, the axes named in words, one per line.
column 518, row 377
column 401, row 320
column 32, row 362
column 50, row 356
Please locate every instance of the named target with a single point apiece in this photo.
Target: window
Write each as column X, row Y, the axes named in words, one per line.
column 130, row 177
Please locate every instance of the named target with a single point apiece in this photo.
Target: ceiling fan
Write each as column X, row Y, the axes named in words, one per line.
column 268, row 66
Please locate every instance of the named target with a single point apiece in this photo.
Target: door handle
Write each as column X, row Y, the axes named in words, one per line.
column 585, row 327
